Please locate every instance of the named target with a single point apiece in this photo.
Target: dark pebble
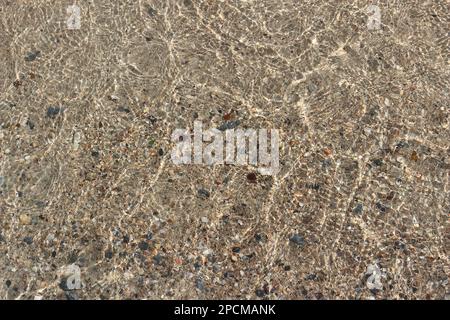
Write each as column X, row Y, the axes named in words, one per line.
column 251, row 177
column 229, row 125
column 30, row 124
column 314, row 186
column 157, row 259
column 378, row 162
column 123, row 109
column 259, row 237
column 358, row 209
column 287, row 268
column 380, row 207
column 8, row 283
column 28, row 240
column 149, row 236
column 298, row 240
column 32, row 55
column 199, row 284
column 151, row 12
column 311, row 276
column 63, row 284
column 108, row 254
column 70, row 295
column 95, row 153
column 52, row 112
column 236, row 249
column 260, row 293
column 398, row 245
column 402, row 144
column 326, row 163
column 197, row 265
column 202, row 193
column 161, row 152
column 228, row 274
column 143, row 245
column 126, row 239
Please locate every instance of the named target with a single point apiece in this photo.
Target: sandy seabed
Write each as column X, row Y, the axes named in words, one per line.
column 88, row 191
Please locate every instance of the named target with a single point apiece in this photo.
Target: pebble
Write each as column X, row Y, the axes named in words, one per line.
column 202, row 193
column 25, row 219
column 229, row 125
column 260, row 293
column 52, row 112
column 143, row 245
column 32, row 55
column 199, row 284
column 30, row 124
column 108, row 254
column 298, row 240
column 259, row 237
column 151, row 12
column 157, row 259
column 378, row 162
column 76, row 140
column 358, row 209
column 204, row 219
column 380, row 207
column 236, row 249
column 123, row 109
column 28, row 240
column 374, row 280
column 251, row 177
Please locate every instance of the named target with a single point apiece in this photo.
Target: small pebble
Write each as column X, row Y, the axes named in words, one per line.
column 260, row 293
column 76, row 139
column 251, row 177
column 123, row 109
column 259, row 237
column 108, row 254
column 229, row 125
column 30, row 124
column 358, row 209
column 151, row 12
column 236, row 249
column 28, row 240
column 199, row 284
column 143, row 245
column 52, row 112
column 204, row 219
column 298, row 240
column 202, row 193
column 378, row 162
column 157, row 260
column 25, row 219
column 380, row 207
column 32, row 55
